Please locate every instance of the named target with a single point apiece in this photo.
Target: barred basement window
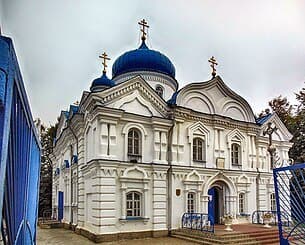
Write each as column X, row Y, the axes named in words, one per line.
column 133, row 204
column 134, row 142
column 198, row 149
column 235, row 154
column 190, row 202
column 272, row 202
column 241, row 203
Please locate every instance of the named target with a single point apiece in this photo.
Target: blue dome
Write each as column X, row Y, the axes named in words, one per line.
column 143, row 59
column 101, row 82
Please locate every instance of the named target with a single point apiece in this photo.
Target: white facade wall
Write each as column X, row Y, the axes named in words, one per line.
column 104, row 173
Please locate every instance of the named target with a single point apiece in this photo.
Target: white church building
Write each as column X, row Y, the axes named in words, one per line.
column 138, row 152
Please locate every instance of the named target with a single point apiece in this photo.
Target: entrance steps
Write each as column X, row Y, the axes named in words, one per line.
column 49, row 224
column 206, row 238
column 266, row 237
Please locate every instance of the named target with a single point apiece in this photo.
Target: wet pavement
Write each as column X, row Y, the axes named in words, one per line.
column 67, row 237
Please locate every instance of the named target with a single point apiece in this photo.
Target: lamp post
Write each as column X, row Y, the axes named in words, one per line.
column 271, row 128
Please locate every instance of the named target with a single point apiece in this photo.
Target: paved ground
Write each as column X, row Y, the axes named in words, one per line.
column 66, row 237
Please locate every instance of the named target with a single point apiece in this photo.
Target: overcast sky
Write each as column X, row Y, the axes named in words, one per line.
column 259, row 45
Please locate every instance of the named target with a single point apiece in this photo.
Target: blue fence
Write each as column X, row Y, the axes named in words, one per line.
column 197, row 221
column 19, row 154
column 258, row 217
column 289, row 185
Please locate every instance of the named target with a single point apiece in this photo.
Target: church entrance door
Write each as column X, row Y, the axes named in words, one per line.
column 216, row 204
column 60, row 205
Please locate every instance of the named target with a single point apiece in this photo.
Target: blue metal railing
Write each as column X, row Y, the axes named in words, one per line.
column 19, row 154
column 258, row 217
column 289, row 183
column 197, row 221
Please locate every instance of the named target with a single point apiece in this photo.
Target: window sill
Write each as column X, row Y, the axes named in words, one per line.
column 134, row 219
column 134, row 155
column 200, row 161
column 243, row 215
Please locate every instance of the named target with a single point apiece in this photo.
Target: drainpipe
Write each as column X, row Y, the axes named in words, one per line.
column 71, row 181
column 169, row 178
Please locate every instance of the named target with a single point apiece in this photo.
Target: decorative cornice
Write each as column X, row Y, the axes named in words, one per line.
column 150, row 76
column 214, row 120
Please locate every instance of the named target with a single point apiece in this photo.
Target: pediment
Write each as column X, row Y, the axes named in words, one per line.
column 215, row 97
column 135, row 96
column 134, row 173
column 134, row 103
column 281, row 134
column 61, row 124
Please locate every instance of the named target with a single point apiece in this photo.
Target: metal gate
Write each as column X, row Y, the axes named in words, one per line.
column 19, row 154
column 289, row 183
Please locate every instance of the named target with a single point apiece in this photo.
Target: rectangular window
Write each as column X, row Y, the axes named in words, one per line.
column 235, row 154
column 272, row 202
column 133, row 204
column 190, row 202
column 195, row 152
column 241, row 203
column 136, row 146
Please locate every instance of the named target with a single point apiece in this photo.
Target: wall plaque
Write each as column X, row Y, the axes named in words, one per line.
column 220, row 162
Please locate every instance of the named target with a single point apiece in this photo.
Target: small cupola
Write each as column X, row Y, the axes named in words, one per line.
column 102, row 82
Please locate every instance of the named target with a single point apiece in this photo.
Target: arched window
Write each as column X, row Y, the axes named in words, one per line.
column 159, row 91
column 198, row 149
column 191, row 202
column 133, row 204
column 134, row 142
column 241, row 203
column 235, row 154
column 272, row 202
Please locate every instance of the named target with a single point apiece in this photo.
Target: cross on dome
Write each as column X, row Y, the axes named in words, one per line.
column 143, row 24
column 105, row 57
column 213, row 62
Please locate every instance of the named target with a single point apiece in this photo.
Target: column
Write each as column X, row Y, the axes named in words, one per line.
column 157, row 146
column 204, row 206
column 146, row 200
column 254, row 152
column 180, row 143
column 163, row 147
column 104, row 139
column 159, row 200
column 123, row 210
column 174, row 145
column 112, row 140
column 198, row 202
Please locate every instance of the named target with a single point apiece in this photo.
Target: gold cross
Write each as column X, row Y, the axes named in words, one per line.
column 104, row 56
column 213, row 62
column 143, row 24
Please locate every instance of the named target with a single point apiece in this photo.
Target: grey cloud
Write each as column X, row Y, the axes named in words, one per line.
column 260, row 45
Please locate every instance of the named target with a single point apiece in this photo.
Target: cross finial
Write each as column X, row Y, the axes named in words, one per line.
column 213, row 62
column 104, row 56
column 143, row 24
